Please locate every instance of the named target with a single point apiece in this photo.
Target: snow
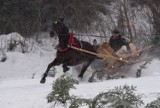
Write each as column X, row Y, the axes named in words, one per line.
column 12, row 37
column 19, row 90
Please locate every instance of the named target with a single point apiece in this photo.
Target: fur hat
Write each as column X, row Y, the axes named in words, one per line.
column 116, row 31
column 94, row 40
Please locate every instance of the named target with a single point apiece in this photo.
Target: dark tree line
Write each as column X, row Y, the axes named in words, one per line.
column 29, row 16
column 152, row 15
column 136, row 19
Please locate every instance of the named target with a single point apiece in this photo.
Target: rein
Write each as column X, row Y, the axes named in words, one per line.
column 63, row 50
column 87, row 35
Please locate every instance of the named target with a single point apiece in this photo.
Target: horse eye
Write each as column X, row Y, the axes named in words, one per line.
column 56, row 22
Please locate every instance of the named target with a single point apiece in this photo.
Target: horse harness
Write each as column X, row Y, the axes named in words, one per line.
column 71, row 42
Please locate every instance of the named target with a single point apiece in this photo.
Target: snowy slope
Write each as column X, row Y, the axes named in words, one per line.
column 19, row 90
column 29, row 93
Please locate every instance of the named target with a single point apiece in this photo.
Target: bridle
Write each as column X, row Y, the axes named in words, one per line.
column 61, row 26
column 59, row 32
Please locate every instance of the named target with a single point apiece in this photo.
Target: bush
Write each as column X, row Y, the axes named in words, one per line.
column 60, row 90
column 141, row 67
column 3, row 56
column 12, row 45
column 99, row 74
column 126, row 94
column 154, row 104
column 119, row 97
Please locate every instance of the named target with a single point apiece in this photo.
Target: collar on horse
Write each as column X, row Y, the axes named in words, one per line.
column 71, row 42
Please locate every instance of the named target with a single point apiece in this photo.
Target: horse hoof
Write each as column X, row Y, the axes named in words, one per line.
column 66, row 69
column 43, row 80
column 80, row 76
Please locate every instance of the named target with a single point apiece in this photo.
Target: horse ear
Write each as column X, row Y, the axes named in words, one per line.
column 61, row 19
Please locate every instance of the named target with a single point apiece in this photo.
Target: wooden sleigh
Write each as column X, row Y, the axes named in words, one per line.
column 106, row 52
column 115, row 61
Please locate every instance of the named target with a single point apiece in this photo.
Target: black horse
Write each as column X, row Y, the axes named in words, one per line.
column 66, row 55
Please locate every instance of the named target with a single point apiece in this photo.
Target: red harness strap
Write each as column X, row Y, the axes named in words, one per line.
column 63, row 50
column 71, row 41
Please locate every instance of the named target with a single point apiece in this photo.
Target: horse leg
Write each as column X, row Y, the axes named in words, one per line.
column 84, row 68
column 54, row 63
column 65, row 68
column 65, row 64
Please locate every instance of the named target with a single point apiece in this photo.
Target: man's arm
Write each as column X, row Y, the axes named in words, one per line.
column 110, row 43
column 131, row 46
column 126, row 41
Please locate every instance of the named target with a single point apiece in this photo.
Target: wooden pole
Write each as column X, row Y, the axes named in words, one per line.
column 99, row 55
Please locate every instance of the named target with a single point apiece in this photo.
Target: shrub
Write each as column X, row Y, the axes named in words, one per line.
column 100, row 74
column 154, row 104
column 60, row 90
column 12, row 45
column 143, row 66
column 3, row 56
column 119, row 97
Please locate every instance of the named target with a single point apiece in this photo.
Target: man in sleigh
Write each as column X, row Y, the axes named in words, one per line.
column 122, row 48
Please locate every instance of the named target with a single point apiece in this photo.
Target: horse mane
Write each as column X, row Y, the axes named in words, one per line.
column 65, row 30
column 64, row 36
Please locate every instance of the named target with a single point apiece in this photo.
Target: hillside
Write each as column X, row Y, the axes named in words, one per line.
column 20, row 90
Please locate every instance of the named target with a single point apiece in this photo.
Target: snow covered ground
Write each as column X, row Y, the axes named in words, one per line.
column 19, row 90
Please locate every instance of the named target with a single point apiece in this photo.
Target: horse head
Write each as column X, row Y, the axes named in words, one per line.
column 58, row 28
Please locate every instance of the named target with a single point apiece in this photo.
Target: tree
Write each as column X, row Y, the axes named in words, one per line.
column 152, row 15
column 30, row 16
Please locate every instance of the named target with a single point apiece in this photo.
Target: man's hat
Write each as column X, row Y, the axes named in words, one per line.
column 115, row 31
column 94, row 40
